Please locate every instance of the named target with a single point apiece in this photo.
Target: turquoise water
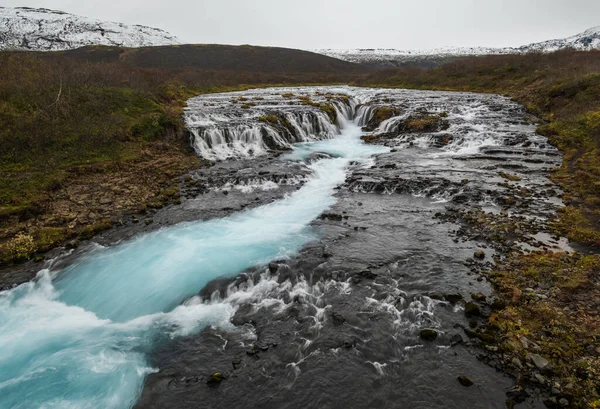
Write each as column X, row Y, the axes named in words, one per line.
column 79, row 338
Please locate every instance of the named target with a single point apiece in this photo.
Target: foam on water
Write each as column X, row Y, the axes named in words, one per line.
column 79, row 337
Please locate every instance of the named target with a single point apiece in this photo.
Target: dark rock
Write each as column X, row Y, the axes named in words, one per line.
column 479, row 297
column 453, row 298
column 465, row 381
column 273, row 267
column 337, row 318
column 252, row 351
column 428, row 334
column 331, row 216
column 498, row 305
column 236, row 362
column 215, row 379
column 434, row 295
column 472, row 310
column 367, row 274
column 563, row 402
column 551, row 403
column 456, row 339
column 517, row 393
column 479, row 255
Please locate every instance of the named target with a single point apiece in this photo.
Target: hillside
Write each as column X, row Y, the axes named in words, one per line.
column 379, row 57
column 37, row 29
column 216, row 57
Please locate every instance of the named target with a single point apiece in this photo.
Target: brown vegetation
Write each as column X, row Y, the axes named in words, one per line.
column 99, row 116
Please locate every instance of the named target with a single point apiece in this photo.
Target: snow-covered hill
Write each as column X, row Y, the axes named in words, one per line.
column 588, row 40
column 24, row 28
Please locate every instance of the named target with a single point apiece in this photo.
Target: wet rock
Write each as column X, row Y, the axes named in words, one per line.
column 517, row 393
column 367, row 274
column 331, row 216
column 252, row 351
column 273, row 267
column 479, row 255
column 348, row 344
column 73, row 244
column 236, row 362
column 428, row 334
column 215, row 379
column 465, row 381
column 337, row 318
column 479, row 297
column 456, row 339
column 435, row 295
column 453, row 298
column 472, row 310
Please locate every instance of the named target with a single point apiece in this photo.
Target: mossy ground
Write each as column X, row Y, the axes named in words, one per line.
column 553, row 310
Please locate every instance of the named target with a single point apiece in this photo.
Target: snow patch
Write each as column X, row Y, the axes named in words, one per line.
column 38, row 29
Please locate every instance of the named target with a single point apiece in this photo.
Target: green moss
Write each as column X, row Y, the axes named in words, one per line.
column 48, row 237
column 330, row 111
column 89, row 231
column 20, row 247
column 560, row 333
column 424, row 123
column 269, row 118
column 507, row 176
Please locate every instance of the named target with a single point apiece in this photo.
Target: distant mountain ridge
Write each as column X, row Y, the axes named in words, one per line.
column 585, row 41
column 38, row 29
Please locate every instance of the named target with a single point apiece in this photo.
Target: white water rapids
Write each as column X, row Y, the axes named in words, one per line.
column 79, row 338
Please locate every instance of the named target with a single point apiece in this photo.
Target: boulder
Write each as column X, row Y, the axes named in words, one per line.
column 215, row 379
column 465, row 381
column 428, row 334
column 472, row 310
column 453, row 298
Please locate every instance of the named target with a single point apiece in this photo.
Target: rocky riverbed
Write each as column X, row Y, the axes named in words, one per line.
column 388, row 305
column 385, row 309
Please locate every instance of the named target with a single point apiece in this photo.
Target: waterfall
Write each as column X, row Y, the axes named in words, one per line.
column 223, row 127
column 364, row 113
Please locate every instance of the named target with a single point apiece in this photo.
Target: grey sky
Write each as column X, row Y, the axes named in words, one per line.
column 346, row 24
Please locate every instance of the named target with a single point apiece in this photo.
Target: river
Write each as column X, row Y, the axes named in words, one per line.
column 362, row 264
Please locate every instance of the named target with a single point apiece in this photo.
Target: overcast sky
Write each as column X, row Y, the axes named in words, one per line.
column 312, row 24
